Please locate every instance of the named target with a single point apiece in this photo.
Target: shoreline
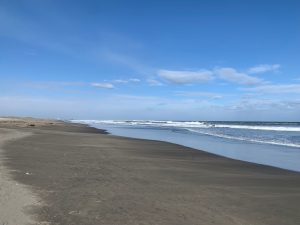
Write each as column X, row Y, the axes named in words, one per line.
column 239, row 153
column 191, row 148
column 86, row 177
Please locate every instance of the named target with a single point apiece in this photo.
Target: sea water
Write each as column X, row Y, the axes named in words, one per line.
column 269, row 143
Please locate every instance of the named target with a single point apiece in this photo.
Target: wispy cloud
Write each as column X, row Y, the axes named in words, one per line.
column 52, row 84
column 125, row 60
column 263, row 68
column 126, row 81
column 135, row 80
column 210, row 95
column 22, row 28
column 103, row 85
column 232, row 75
column 130, row 106
column 186, row 77
column 153, row 82
column 109, row 84
column 276, row 88
column 119, row 81
column 266, row 104
column 149, row 107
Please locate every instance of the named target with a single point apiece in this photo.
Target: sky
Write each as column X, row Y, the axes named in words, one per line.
column 158, row 59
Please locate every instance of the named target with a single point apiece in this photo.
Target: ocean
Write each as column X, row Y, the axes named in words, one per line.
column 269, row 143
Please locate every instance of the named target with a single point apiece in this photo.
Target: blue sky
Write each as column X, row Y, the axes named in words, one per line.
column 184, row 60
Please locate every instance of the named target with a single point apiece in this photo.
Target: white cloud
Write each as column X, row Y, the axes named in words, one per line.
column 276, row 88
column 153, row 82
column 230, row 74
column 263, row 68
column 186, row 77
column 103, row 85
column 210, row 95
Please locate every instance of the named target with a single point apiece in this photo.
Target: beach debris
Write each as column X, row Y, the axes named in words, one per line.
column 76, row 212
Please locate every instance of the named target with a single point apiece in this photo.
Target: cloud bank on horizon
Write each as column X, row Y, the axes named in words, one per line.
column 150, row 60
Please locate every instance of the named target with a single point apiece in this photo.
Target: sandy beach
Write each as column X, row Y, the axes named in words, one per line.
column 59, row 173
column 15, row 198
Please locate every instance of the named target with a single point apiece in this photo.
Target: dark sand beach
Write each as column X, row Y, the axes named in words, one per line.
column 82, row 176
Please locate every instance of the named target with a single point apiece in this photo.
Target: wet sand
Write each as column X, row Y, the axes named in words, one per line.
column 83, row 176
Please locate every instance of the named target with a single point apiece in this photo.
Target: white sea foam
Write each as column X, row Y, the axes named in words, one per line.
column 191, row 124
column 263, row 127
column 273, row 142
column 222, row 130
